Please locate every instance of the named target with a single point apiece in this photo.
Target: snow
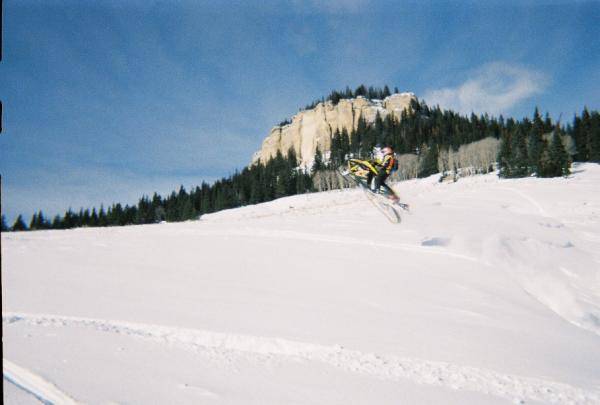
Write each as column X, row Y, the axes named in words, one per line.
column 400, row 95
column 488, row 292
column 34, row 384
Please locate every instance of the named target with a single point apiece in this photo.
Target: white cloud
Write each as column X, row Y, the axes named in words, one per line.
column 494, row 88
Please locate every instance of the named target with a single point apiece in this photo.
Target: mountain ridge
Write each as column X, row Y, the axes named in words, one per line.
column 315, row 127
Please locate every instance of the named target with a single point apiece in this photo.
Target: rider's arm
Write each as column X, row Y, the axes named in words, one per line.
column 387, row 163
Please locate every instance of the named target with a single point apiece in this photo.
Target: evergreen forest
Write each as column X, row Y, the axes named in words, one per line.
column 528, row 147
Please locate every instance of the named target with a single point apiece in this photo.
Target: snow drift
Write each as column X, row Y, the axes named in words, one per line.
column 489, row 292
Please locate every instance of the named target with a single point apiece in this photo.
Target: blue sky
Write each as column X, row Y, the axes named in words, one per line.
column 107, row 101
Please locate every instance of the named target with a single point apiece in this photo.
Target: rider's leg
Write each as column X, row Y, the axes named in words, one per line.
column 380, row 181
column 382, row 178
column 390, row 192
column 369, row 180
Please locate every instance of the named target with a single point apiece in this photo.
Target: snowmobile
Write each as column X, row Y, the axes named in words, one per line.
column 384, row 199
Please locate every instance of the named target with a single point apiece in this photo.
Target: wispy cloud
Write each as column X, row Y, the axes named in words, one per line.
column 494, row 88
column 331, row 6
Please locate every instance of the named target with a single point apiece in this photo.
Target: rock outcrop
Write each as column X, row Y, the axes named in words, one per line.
column 314, row 128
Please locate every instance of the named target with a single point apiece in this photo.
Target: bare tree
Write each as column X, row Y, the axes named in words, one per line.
column 408, row 167
column 473, row 158
column 324, row 180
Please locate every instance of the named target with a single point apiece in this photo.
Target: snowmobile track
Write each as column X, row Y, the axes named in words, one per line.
column 43, row 390
column 343, row 240
column 226, row 346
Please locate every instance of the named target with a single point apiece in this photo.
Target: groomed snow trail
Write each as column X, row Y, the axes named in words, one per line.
column 43, row 390
column 222, row 345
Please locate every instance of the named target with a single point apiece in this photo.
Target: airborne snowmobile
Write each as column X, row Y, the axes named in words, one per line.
column 384, row 198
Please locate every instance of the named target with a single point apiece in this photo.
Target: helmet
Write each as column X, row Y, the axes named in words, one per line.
column 387, row 150
column 377, row 153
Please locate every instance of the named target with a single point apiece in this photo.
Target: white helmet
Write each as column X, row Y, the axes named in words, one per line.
column 377, row 153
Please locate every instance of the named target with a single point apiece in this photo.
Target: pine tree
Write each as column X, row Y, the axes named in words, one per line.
column 594, row 137
column 78, row 220
column 429, row 160
column 386, row 91
column 102, row 219
column 38, row 222
column 67, row 219
column 94, row 220
column 33, row 224
column 19, row 224
column 361, row 90
column 205, row 202
column 548, row 126
column 519, row 159
column 282, row 183
column 293, row 170
column 344, row 144
column 536, row 145
column 505, row 155
column 3, row 226
column 318, row 162
column 86, row 219
column 57, row 222
column 581, row 130
column 188, row 211
column 335, row 150
column 360, row 146
column 43, row 223
column 116, row 216
column 292, row 159
column 303, row 183
column 557, row 162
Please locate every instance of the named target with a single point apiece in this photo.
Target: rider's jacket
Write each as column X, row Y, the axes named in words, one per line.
column 388, row 162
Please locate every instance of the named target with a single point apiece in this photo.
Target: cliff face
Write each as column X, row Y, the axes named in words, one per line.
column 315, row 127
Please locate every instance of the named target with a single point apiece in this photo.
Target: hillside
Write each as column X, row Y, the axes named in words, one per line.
column 488, row 293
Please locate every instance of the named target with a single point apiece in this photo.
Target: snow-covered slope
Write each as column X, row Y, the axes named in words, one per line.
column 488, row 293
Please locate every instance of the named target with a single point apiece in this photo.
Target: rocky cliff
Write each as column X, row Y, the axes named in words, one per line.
column 314, row 128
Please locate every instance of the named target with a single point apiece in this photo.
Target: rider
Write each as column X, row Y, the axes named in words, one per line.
column 385, row 166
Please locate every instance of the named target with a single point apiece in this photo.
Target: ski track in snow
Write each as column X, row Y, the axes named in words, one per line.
column 541, row 211
column 43, row 390
column 224, row 345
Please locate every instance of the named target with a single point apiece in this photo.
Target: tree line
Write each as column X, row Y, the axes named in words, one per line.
column 279, row 177
column 537, row 146
column 371, row 93
column 429, row 138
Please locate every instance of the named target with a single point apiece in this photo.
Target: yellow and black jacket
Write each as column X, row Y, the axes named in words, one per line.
column 388, row 163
